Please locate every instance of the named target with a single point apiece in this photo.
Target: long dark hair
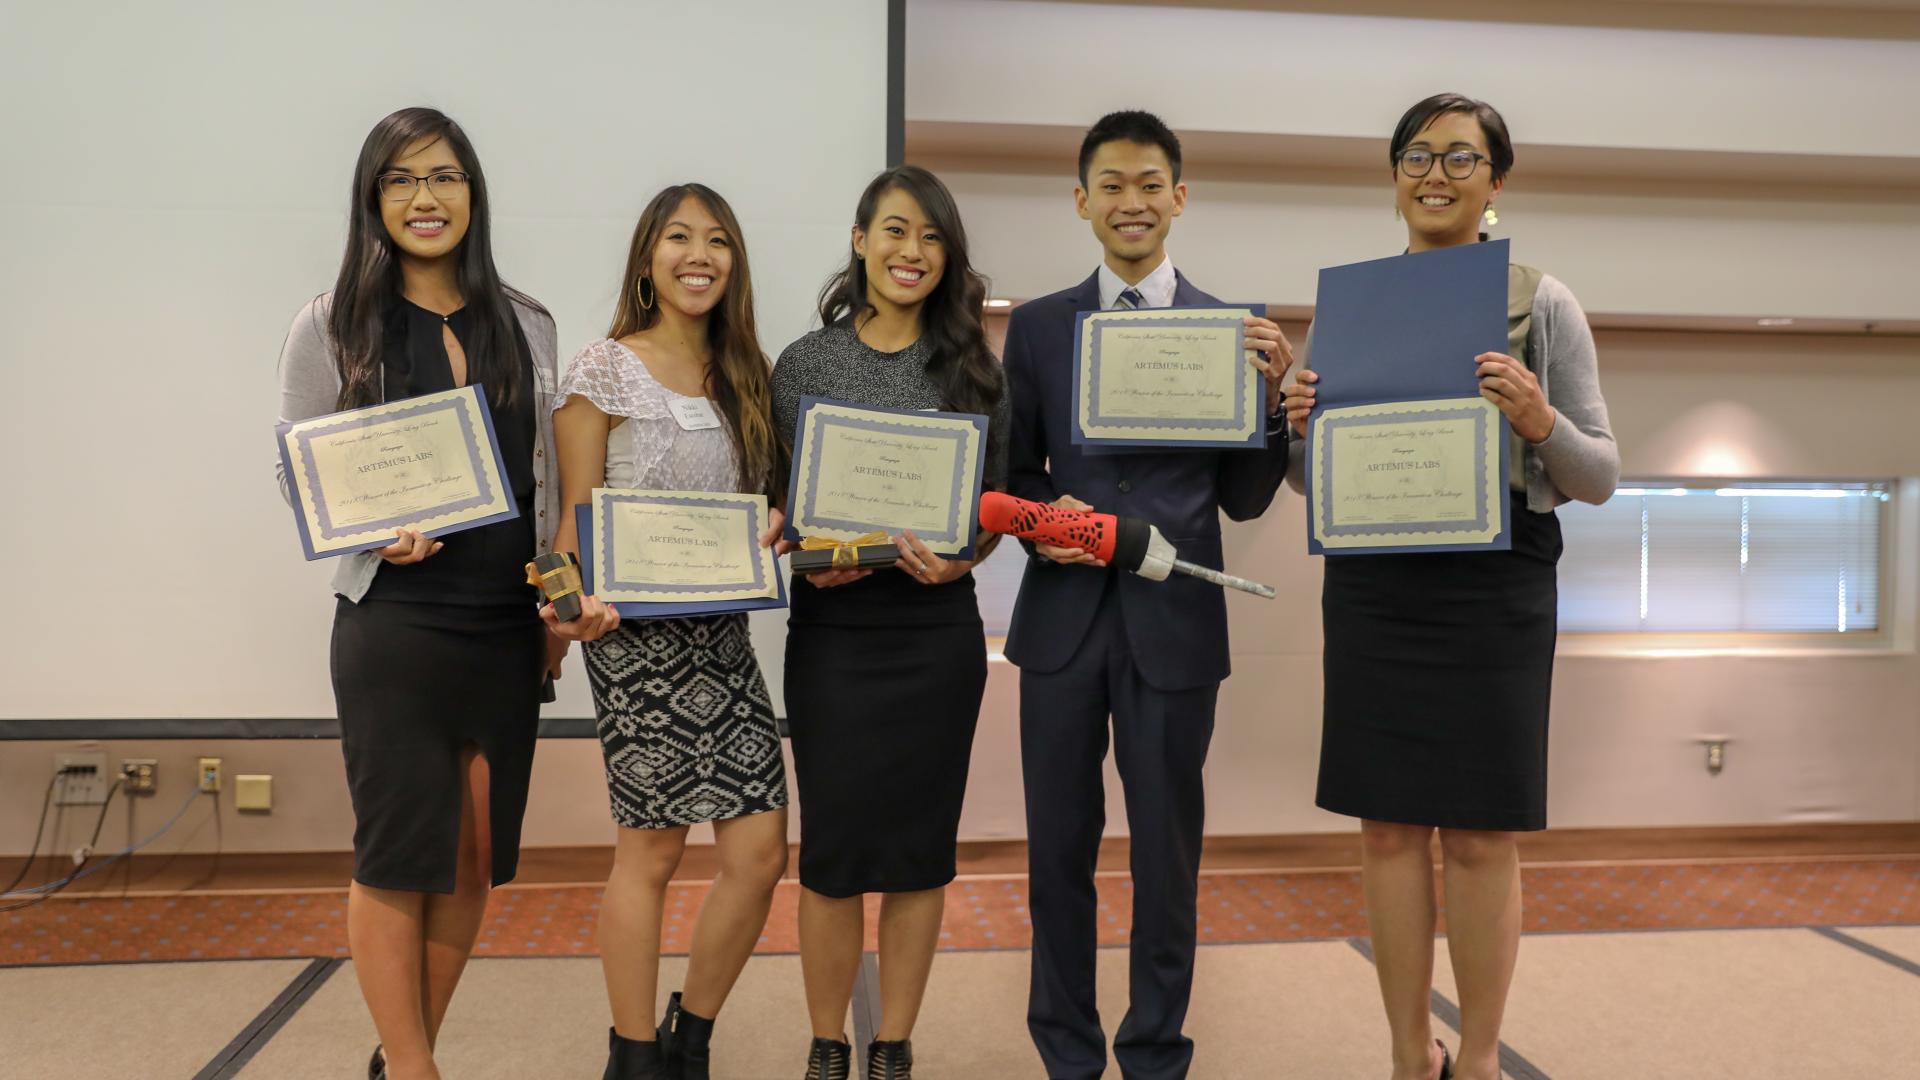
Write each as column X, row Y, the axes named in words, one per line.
column 958, row 357
column 369, row 281
column 738, row 378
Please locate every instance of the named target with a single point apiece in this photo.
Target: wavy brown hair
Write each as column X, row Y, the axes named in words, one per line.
column 738, row 378
column 959, row 360
column 369, row 281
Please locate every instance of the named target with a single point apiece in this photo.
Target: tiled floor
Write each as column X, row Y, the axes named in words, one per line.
column 990, row 913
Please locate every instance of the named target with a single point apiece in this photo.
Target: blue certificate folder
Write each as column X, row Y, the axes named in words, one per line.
column 583, row 521
column 1253, row 401
column 1403, row 329
column 964, row 526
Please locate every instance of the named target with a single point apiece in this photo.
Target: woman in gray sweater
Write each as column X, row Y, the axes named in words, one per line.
column 438, row 650
column 1438, row 666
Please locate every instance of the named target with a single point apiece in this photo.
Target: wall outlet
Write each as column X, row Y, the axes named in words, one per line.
column 253, row 792
column 137, row 775
column 209, row 774
column 84, row 781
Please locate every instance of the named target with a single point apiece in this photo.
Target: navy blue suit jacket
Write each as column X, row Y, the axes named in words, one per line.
column 1177, row 629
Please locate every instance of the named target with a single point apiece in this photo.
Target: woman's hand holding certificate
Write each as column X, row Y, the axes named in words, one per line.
column 1516, row 391
column 410, row 470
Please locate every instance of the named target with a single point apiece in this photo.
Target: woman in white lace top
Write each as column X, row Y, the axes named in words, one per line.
column 676, row 398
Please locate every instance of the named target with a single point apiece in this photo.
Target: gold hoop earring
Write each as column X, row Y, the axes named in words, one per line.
column 1491, row 216
column 644, row 292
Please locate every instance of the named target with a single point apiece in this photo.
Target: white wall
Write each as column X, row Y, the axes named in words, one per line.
column 1690, row 252
column 1019, row 62
column 1659, row 172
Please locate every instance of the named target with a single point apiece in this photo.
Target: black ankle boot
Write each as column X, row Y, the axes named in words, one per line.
column 890, row 1060
column 633, row 1059
column 831, row 1059
column 685, row 1042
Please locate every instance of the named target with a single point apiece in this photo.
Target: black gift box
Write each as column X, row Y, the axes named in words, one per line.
column 867, row 557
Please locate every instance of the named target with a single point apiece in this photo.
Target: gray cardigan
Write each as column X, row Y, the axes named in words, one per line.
column 1578, row 460
column 310, row 386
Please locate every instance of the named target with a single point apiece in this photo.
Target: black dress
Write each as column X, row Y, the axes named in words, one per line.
column 440, row 655
column 1438, row 672
column 884, row 676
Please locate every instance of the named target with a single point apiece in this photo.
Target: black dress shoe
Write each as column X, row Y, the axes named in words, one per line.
column 633, row 1059
column 890, row 1060
column 830, row 1059
column 686, row 1042
column 377, row 1065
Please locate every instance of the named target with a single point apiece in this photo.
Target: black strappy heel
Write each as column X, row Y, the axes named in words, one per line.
column 830, row 1059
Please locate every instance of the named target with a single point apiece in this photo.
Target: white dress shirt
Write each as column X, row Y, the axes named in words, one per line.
column 1156, row 288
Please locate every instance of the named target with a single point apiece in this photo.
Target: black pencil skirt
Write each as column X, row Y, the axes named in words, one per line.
column 1438, row 673
column 416, row 684
column 884, row 680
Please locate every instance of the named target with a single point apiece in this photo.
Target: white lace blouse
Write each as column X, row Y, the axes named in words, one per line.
column 650, row 451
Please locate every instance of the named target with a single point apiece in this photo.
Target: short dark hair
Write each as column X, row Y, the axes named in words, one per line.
column 1499, row 144
column 1134, row 126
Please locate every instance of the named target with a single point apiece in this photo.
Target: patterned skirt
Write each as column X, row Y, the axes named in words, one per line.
column 685, row 723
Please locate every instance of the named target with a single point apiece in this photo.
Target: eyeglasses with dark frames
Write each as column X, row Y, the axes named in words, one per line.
column 400, row 187
column 1457, row 164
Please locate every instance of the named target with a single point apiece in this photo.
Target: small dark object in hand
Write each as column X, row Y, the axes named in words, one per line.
column 557, row 576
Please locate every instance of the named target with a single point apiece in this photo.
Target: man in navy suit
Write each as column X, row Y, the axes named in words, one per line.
column 1094, row 645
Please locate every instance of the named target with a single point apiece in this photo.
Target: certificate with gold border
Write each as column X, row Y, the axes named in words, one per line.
column 860, row 470
column 1408, row 476
column 428, row 463
column 654, row 553
column 1166, row 377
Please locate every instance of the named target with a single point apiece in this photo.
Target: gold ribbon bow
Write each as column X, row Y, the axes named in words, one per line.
column 563, row 580
column 846, row 553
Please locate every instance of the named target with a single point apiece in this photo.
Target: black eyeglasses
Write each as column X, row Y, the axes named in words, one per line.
column 399, row 187
column 1457, row 164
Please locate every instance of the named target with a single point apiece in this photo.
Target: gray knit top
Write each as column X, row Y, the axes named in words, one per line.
column 1578, row 460
column 833, row 362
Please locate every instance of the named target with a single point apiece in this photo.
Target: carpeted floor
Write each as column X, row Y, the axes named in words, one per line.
column 1689, row 972
column 1680, row 1005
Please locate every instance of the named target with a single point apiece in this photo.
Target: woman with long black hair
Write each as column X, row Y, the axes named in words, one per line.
column 885, row 669
column 1439, row 666
column 676, row 398
column 438, row 650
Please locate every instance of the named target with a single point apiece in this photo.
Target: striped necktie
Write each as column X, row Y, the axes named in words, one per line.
column 1129, row 299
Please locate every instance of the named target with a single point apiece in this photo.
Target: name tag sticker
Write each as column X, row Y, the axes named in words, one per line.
column 694, row 414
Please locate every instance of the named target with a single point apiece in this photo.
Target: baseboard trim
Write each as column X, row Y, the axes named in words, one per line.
column 44, row 730
column 269, row 871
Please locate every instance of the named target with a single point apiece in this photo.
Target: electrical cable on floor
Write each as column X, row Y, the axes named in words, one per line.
column 41, row 893
column 85, row 855
column 219, row 844
column 34, row 853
